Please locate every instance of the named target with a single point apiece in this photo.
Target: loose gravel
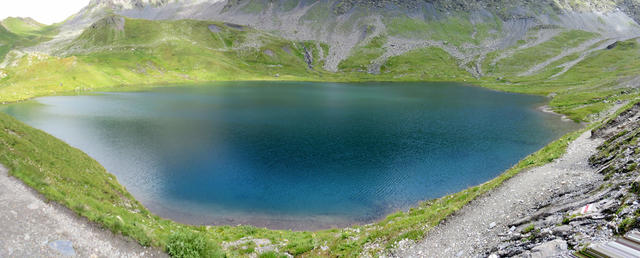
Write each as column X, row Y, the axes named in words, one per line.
column 476, row 228
column 32, row 227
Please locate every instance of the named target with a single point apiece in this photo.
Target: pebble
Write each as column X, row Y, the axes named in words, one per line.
column 33, row 206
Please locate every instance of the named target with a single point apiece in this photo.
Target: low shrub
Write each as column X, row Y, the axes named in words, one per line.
column 190, row 244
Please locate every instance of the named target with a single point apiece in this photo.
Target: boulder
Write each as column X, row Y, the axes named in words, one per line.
column 587, row 209
column 549, row 249
column 563, row 230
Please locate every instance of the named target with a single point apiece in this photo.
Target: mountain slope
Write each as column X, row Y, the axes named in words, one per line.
column 7, row 40
column 17, row 33
column 471, row 28
column 118, row 51
column 581, row 53
column 515, row 45
column 22, row 26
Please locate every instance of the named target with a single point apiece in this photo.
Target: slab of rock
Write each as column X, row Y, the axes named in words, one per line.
column 562, row 230
column 549, row 249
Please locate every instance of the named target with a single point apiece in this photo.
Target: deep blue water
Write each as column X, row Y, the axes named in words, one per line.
column 297, row 155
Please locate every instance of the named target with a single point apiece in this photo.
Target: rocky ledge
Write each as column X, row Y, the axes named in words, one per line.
column 571, row 221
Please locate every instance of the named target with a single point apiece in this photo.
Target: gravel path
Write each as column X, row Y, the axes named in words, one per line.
column 30, row 227
column 473, row 230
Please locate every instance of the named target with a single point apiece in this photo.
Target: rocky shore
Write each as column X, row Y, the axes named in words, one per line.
column 606, row 209
column 588, row 196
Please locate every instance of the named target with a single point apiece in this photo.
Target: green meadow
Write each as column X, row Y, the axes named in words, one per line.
column 150, row 53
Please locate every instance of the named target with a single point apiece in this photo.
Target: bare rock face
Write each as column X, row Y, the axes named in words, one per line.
column 627, row 120
column 548, row 249
column 630, row 7
column 111, row 22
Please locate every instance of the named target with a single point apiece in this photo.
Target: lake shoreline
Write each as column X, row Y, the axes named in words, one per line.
column 483, row 221
column 334, row 208
column 420, row 218
column 576, row 203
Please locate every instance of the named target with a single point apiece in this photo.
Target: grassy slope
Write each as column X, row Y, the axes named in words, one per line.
column 455, row 29
column 523, row 60
column 149, row 52
column 186, row 51
column 362, row 56
column 588, row 88
column 23, row 32
column 425, row 64
column 22, row 26
column 7, row 41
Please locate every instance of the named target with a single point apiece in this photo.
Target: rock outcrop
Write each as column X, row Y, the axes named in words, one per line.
column 573, row 220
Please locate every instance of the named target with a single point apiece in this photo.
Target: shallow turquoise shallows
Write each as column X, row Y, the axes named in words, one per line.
column 297, row 155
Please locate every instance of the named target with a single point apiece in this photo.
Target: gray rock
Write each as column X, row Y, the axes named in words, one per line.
column 562, row 230
column 545, row 232
column 64, row 247
column 492, row 225
column 214, row 28
column 549, row 249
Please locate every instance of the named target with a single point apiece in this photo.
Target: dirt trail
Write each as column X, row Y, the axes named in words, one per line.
column 473, row 230
column 30, row 227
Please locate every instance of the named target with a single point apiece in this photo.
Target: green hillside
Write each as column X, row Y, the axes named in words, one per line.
column 591, row 86
column 142, row 52
column 22, row 26
column 120, row 53
column 18, row 33
column 7, row 41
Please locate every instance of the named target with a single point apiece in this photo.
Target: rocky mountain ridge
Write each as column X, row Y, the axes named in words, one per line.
column 469, row 30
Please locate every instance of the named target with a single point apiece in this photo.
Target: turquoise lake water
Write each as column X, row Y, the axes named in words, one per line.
column 297, row 155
